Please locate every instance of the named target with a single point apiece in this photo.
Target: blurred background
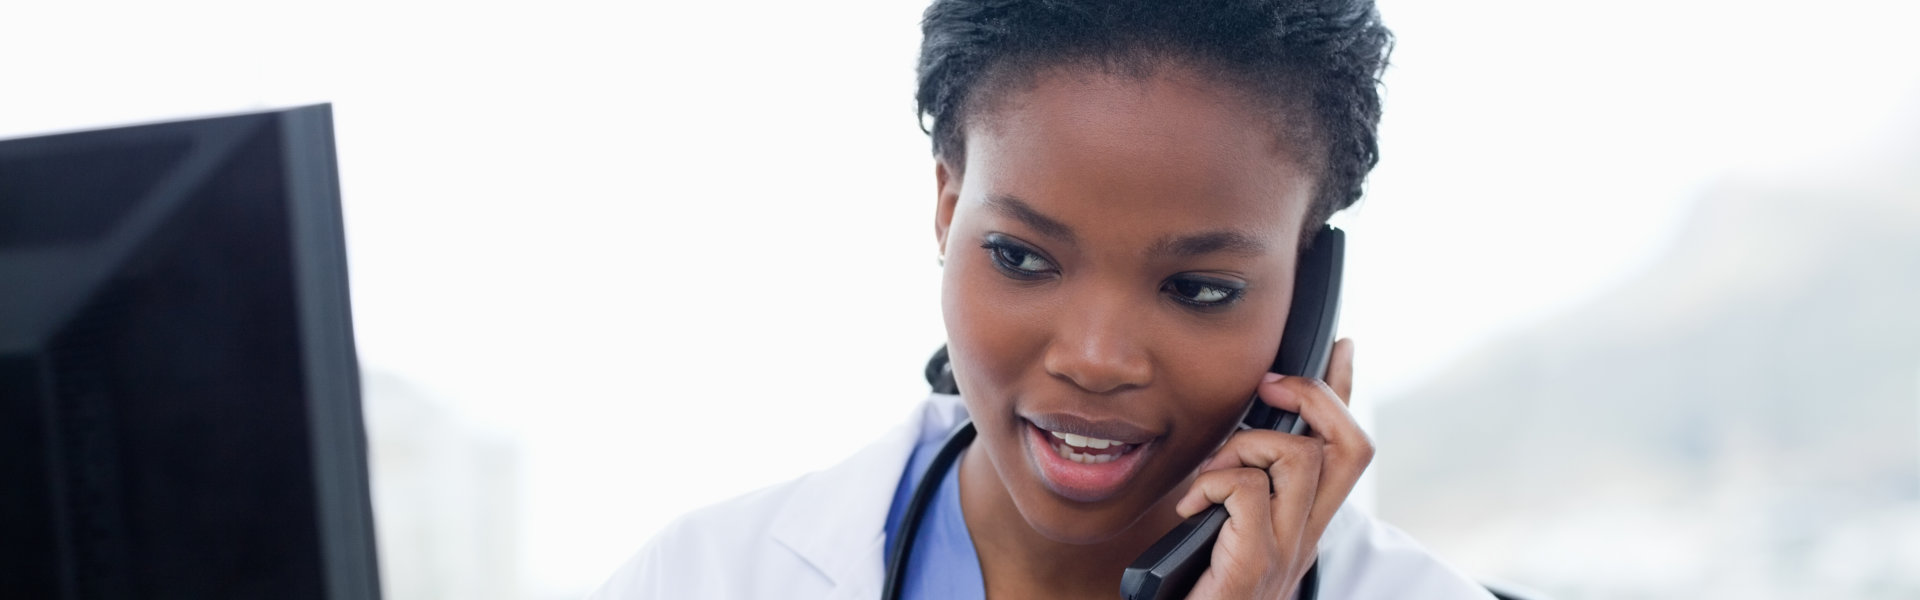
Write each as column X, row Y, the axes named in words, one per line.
column 1634, row 287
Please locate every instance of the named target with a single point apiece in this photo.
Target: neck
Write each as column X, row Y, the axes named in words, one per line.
column 1017, row 561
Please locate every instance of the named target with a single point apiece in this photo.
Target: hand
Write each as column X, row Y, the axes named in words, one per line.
column 1280, row 489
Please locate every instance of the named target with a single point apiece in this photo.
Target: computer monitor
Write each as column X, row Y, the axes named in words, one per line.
column 179, row 397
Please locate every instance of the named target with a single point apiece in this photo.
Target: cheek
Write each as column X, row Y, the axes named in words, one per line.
column 1224, row 361
column 987, row 339
column 1213, row 372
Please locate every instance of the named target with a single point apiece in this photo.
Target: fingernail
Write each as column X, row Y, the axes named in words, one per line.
column 1272, row 377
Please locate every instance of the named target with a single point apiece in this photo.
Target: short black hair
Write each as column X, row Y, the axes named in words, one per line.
column 1315, row 63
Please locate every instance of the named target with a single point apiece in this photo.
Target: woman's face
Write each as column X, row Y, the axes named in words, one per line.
column 1119, row 262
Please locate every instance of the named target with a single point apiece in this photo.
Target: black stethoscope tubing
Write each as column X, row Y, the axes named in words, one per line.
column 923, row 497
column 917, row 507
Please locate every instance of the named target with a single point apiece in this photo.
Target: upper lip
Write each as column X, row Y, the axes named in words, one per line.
column 1106, row 429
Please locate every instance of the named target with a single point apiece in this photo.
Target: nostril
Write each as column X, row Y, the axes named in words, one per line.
column 1098, row 369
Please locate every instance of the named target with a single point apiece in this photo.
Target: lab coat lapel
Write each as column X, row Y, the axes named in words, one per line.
column 836, row 519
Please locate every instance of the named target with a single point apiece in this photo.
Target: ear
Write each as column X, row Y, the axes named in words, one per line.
column 947, row 196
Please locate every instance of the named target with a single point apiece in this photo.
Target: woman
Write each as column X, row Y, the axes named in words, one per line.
column 1123, row 188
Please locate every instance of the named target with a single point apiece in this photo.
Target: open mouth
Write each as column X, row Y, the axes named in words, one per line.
column 1084, row 468
column 1087, row 450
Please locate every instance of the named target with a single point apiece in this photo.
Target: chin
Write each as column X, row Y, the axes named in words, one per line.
column 1059, row 520
column 1062, row 518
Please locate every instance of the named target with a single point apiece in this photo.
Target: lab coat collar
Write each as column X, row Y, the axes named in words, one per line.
column 836, row 519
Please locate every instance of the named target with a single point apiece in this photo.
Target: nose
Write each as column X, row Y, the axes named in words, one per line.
column 1097, row 347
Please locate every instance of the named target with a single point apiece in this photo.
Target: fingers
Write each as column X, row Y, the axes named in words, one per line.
column 1245, row 492
column 1347, row 450
column 1323, row 411
column 1246, row 550
column 1268, row 450
column 1281, row 490
column 1294, row 492
column 1252, row 543
column 1293, row 463
column 1264, row 542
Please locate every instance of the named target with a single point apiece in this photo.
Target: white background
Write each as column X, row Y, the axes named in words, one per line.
column 652, row 257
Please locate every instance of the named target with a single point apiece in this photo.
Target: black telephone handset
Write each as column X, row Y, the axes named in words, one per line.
column 1169, row 568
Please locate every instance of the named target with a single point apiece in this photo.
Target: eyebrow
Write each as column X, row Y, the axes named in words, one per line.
column 1014, row 207
column 1209, row 242
column 1186, row 246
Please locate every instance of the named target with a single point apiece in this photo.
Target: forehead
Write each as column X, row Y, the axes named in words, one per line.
column 1166, row 149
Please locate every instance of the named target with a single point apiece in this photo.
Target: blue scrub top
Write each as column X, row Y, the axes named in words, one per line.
column 944, row 565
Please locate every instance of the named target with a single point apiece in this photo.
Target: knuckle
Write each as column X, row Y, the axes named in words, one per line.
column 1360, row 450
column 1305, row 451
column 1258, row 447
column 1315, row 452
column 1253, row 478
column 1207, row 480
column 1222, row 484
column 1222, row 481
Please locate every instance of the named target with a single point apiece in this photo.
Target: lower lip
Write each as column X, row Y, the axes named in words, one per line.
column 1082, row 482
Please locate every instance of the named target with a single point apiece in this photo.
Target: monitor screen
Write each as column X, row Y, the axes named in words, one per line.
column 179, row 397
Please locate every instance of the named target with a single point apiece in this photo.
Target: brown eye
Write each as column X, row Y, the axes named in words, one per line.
column 1016, row 260
column 1022, row 260
column 1203, row 292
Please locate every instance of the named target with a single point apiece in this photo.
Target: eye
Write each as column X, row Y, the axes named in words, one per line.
column 1017, row 260
column 1203, row 292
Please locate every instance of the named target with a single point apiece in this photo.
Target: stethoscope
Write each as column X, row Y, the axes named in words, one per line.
column 940, row 374
column 917, row 507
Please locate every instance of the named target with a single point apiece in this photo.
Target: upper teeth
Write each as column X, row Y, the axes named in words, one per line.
column 1081, row 441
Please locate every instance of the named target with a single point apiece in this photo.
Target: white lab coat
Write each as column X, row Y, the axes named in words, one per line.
column 823, row 536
